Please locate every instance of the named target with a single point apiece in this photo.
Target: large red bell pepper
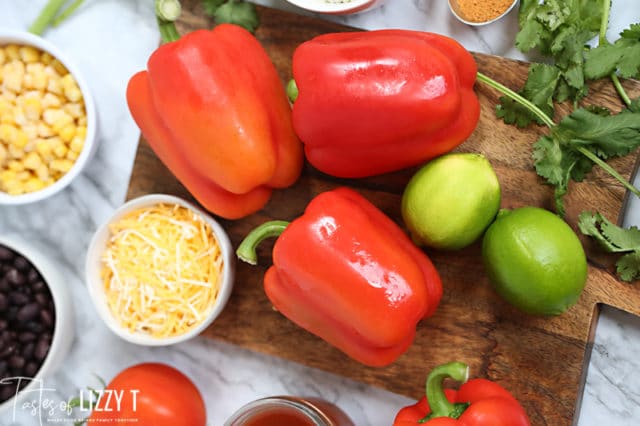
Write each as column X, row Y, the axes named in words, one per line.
column 372, row 102
column 214, row 110
column 478, row 402
column 347, row 273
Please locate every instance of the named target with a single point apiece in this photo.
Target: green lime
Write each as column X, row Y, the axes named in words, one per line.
column 534, row 260
column 451, row 200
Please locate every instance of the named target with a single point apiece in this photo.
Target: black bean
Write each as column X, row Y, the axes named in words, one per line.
column 5, row 253
column 42, row 348
column 15, row 278
column 31, row 369
column 7, row 391
column 46, row 318
column 4, row 302
column 28, row 350
column 17, row 362
column 22, row 264
column 7, row 350
column 4, row 284
column 17, row 298
column 28, row 312
column 3, row 324
column 3, row 366
column 42, row 299
column 11, row 312
column 39, row 286
column 33, row 275
column 26, row 336
column 34, row 327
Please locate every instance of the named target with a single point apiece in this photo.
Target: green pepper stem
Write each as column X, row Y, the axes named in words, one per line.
column 516, row 97
column 167, row 12
column 292, row 91
column 46, row 16
column 438, row 402
column 247, row 249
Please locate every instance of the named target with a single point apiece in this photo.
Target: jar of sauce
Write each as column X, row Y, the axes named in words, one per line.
column 289, row 411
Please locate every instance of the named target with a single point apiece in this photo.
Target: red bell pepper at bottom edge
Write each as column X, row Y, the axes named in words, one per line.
column 478, row 402
column 347, row 273
column 214, row 111
column 372, row 102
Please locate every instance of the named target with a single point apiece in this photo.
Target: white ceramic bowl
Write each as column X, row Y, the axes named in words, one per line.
column 453, row 8
column 25, row 38
column 333, row 8
column 63, row 330
column 96, row 287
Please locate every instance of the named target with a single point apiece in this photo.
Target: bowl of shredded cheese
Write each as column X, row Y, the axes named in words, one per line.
column 47, row 119
column 160, row 270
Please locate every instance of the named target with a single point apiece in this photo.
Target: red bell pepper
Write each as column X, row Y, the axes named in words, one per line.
column 478, row 402
column 347, row 273
column 372, row 102
column 214, row 110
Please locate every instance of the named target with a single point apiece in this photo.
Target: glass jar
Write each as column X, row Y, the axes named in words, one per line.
column 289, row 411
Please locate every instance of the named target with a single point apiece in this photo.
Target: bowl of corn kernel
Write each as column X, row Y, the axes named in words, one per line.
column 47, row 119
column 160, row 270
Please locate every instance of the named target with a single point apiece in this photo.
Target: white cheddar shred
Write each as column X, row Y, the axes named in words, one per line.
column 162, row 270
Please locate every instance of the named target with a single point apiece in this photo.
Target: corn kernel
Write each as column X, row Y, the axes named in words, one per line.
column 49, row 100
column 77, row 143
column 57, row 116
column 12, row 51
column 15, row 166
column 32, row 108
column 19, row 116
column 44, row 148
column 54, row 86
column 28, row 54
column 82, row 121
column 33, row 184
column 61, row 165
column 16, row 152
column 58, row 67
column 32, row 161
column 7, row 175
column 7, row 132
column 67, row 133
column 76, row 110
column 23, row 175
column 3, row 56
column 60, row 151
column 13, row 75
column 42, row 172
column 44, row 131
column 21, row 139
column 3, row 154
column 31, row 130
column 46, row 58
column 72, row 155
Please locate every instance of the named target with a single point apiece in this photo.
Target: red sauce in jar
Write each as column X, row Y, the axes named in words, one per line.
column 279, row 417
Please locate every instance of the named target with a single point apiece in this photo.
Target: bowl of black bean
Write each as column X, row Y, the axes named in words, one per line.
column 36, row 321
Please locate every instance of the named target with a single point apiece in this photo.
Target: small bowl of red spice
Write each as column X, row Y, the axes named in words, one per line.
column 480, row 12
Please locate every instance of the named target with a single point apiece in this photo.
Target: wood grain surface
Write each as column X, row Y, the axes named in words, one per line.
column 541, row 360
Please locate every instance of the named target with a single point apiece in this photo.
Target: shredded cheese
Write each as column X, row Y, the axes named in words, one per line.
column 161, row 269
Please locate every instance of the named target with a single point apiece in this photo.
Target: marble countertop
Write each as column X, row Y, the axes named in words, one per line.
column 110, row 40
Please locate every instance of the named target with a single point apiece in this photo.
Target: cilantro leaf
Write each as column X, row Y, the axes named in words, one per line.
column 210, row 6
column 558, row 157
column 622, row 56
column 614, row 239
column 240, row 13
column 635, row 105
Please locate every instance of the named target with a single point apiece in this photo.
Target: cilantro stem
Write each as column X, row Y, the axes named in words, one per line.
column 516, row 97
column 47, row 15
column 67, row 12
column 600, row 162
column 602, row 41
column 621, row 92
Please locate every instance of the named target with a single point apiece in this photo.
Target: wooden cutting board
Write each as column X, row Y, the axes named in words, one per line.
column 541, row 360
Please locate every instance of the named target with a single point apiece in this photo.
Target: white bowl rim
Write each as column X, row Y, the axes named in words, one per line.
column 322, row 6
column 479, row 24
column 63, row 317
column 95, row 284
column 23, row 37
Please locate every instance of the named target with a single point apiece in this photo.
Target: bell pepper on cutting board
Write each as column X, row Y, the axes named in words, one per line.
column 215, row 112
column 368, row 103
column 478, row 402
column 347, row 273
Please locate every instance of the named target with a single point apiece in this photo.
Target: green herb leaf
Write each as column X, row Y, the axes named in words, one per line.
column 239, row 13
column 614, row 239
column 635, row 105
column 623, row 56
column 210, row 6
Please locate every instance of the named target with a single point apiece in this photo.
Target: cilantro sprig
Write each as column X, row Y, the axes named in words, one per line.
column 236, row 12
column 615, row 239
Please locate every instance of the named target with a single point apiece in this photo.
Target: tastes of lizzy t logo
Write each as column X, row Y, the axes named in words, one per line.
column 37, row 402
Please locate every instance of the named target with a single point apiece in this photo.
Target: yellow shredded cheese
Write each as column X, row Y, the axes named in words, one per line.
column 161, row 270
